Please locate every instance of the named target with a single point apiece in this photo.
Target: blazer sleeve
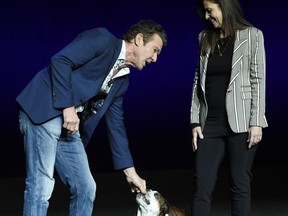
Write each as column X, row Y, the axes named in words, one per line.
column 258, row 79
column 195, row 101
column 117, row 136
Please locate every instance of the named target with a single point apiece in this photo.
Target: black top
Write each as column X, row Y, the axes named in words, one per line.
column 217, row 80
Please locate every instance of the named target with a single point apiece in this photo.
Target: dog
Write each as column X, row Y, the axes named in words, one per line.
column 154, row 204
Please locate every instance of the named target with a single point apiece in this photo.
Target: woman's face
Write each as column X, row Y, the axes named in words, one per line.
column 213, row 13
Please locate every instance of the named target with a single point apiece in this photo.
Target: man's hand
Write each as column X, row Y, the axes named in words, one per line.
column 71, row 120
column 137, row 184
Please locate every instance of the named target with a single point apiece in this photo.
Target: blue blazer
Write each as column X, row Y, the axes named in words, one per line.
column 75, row 75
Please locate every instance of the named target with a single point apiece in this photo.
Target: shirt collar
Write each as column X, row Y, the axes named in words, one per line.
column 126, row 70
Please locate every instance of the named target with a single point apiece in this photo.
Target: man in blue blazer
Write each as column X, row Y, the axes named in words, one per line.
column 62, row 105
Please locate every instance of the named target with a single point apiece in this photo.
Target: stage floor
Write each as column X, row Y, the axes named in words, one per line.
column 270, row 193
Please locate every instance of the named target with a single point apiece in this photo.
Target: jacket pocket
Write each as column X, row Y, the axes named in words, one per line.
column 246, row 92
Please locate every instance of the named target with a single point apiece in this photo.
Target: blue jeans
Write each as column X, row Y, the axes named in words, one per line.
column 47, row 146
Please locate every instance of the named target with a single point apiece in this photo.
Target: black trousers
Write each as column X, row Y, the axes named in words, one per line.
column 210, row 153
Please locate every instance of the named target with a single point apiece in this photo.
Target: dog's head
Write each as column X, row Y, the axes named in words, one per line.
column 152, row 204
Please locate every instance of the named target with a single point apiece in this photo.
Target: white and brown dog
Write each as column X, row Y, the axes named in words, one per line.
column 153, row 204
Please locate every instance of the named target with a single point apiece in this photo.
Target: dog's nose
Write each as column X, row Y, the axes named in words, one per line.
column 147, row 201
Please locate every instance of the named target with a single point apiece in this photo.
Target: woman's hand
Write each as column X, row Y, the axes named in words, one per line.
column 196, row 132
column 254, row 135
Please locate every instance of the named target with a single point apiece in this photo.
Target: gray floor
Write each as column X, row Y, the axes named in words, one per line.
column 270, row 193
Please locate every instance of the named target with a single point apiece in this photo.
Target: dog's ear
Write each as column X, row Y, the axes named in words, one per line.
column 139, row 212
column 174, row 211
column 165, row 209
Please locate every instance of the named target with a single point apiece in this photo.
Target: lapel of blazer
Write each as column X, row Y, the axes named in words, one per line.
column 241, row 43
column 203, row 69
column 89, row 126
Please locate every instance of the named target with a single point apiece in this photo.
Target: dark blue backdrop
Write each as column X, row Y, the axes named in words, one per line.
column 158, row 100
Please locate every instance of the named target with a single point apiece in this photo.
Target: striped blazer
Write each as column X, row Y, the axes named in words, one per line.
column 245, row 96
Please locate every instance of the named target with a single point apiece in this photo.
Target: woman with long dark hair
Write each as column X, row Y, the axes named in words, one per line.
column 228, row 103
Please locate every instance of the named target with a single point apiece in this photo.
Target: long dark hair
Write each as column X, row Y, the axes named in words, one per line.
column 233, row 20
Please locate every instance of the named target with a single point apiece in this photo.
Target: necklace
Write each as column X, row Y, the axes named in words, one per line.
column 219, row 48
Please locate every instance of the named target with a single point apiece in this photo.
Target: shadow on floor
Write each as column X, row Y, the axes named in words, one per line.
column 270, row 193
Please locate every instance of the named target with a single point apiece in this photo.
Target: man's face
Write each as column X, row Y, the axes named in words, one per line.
column 145, row 54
